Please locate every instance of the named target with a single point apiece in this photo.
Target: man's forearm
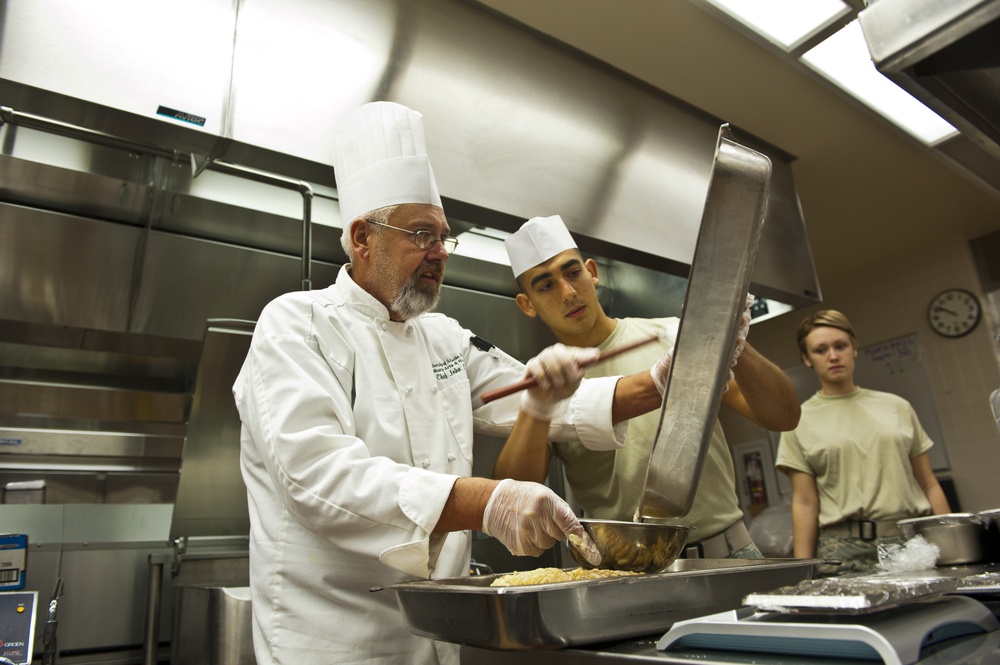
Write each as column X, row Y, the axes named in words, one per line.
column 634, row 396
column 525, row 454
column 465, row 505
column 769, row 393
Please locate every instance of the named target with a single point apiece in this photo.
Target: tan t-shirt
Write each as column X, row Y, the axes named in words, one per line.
column 859, row 447
column 608, row 484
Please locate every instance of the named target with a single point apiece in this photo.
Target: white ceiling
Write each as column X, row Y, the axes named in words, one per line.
column 868, row 191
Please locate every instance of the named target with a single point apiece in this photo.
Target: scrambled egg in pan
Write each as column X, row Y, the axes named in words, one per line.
column 550, row 575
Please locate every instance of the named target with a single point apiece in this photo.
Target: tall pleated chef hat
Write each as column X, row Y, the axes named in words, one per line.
column 537, row 241
column 380, row 159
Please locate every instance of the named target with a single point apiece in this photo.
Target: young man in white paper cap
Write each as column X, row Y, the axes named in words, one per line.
column 358, row 410
column 559, row 286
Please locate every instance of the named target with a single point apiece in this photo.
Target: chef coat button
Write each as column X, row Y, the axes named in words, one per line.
column 409, row 330
column 409, row 389
column 434, row 389
column 426, row 463
column 384, row 325
column 451, row 458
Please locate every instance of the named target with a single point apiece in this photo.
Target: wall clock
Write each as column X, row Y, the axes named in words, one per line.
column 954, row 312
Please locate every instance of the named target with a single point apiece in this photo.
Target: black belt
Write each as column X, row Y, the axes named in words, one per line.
column 864, row 529
column 721, row 545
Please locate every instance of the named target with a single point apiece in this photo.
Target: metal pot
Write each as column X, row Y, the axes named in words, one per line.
column 960, row 536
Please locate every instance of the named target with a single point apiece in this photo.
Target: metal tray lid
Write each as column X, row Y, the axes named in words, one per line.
column 723, row 263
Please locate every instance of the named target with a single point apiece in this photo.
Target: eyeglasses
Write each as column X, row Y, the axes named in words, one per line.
column 425, row 240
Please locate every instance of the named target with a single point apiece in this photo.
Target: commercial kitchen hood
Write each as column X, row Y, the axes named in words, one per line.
column 946, row 55
column 518, row 124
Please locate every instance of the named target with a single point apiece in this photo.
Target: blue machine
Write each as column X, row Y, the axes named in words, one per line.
column 17, row 626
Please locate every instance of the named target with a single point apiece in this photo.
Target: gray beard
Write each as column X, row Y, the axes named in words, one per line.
column 412, row 301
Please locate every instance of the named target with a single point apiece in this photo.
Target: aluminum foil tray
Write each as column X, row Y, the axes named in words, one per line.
column 467, row 610
column 861, row 594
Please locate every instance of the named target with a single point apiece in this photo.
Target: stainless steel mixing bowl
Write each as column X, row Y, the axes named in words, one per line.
column 641, row 547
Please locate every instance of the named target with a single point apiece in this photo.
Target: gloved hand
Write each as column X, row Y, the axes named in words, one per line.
column 529, row 518
column 661, row 369
column 741, row 336
column 558, row 372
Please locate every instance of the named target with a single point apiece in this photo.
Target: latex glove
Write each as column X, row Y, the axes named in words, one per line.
column 529, row 518
column 558, row 372
column 741, row 336
column 661, row 369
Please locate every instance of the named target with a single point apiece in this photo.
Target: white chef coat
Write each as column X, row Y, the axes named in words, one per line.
column 355, row 428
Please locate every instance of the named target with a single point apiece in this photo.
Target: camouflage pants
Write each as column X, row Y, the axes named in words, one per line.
column 751, row 551
column 856, row 555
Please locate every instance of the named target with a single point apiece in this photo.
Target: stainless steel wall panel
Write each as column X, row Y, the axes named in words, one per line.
column 100, row 444
column 333, row 57
column 497, row 320
column 86, row 402
column 219, row 206
column 133, row 56
column 105, row 589
column 58, row 173
column 65, row 270
column 186, row 281
column 116, row 524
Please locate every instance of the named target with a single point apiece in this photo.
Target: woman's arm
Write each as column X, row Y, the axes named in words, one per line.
column 928, row 482
column 805, row 514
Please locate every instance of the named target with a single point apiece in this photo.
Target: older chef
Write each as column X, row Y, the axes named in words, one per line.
column 358, row 412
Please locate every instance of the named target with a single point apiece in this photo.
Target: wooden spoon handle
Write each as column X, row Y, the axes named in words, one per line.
column 523, row 384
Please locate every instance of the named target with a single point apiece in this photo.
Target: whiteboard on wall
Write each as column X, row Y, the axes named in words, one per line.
column 894, row 366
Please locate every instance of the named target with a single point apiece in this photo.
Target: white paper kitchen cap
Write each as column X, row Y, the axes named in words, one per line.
column 537, row 241
column 380, row 159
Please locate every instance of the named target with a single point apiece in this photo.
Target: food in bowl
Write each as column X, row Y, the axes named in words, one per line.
column 553, row 575
column 641, row 547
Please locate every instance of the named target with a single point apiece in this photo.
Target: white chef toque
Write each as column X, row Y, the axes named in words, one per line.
column 537, row 241
column 380, row 159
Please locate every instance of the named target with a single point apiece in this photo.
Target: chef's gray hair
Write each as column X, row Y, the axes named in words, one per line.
column 378, row 216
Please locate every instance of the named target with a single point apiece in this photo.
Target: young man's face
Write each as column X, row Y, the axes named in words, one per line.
column 563, row 293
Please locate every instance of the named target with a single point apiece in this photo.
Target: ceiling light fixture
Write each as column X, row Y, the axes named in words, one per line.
column 785, row 23
column 844, row 60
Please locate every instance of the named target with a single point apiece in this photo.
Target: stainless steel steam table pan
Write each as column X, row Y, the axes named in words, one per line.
column 467, row 610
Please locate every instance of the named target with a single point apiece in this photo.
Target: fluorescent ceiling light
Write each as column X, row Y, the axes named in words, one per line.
column 483, row 244
column 844, row 59
column 784, row 22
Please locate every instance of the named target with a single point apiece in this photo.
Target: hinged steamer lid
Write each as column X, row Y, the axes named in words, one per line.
column 211, row 495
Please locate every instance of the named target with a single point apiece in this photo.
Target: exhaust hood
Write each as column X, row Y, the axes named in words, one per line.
column 945, row 54
column 519, row 125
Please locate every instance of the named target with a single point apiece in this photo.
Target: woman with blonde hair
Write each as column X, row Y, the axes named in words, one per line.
column 858, row 459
